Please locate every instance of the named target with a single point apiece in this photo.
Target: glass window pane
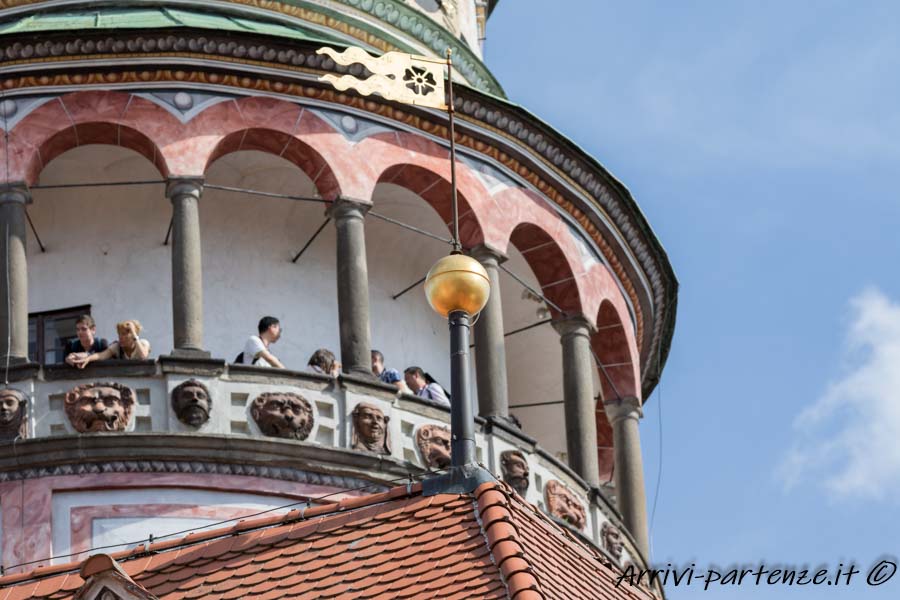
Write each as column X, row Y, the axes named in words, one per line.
column 32, row 339
column 57, row 332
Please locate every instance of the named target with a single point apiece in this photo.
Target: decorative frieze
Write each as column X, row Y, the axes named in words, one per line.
column 433, row 442
column 370, row 429
column 100, row 407
column 563, row 504
column 611, row 540
column 13, row 409
column 283, row 414
column 514, row 467
column 192, row 403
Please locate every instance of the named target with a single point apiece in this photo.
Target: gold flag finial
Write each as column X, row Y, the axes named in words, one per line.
column 395, row 76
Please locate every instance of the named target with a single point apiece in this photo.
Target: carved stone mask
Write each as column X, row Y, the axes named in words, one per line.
column 283, row 414
column 100, row 407
column 611, row 539
column 191, row 403
column 563, row 504
column 434, row 445
column 12, row 414
column 370, row 431
column 515, row 470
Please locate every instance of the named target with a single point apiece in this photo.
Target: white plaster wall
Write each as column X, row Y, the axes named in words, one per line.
column 127, row 530
column 248, row 243
column 406, row 330
column 104, row 245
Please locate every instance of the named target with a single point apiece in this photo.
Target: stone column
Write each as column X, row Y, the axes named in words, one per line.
column 353, row 286
column 623, row 415
column 13, row 274
column 187, row 271
column 578, row 396
column 490, row 346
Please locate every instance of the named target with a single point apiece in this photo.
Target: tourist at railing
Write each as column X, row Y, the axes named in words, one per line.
column 128, row 347
column 86, row 343
column 256, row 349
column 424, row 385
column 323, row 361
column 384, row 375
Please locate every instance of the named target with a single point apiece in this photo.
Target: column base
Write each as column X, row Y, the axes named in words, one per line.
column 360, row 372
column 13, row 361
column 20, row 369
column 189, row 353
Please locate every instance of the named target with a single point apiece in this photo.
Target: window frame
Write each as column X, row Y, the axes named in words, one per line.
column 39, row 318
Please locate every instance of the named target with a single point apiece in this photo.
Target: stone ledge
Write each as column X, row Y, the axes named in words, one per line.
column 101, row 369
column 23, row 371
column 150, row 451
column 251, row 374
column 192, row 365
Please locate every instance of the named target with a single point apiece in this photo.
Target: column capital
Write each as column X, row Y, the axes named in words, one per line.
column 573, row 325
column 15, row 192
column 347, row 208
column 618, row 409
column 184, row 186
column 485, row 253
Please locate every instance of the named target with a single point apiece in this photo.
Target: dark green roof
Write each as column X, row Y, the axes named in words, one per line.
column 157, row 18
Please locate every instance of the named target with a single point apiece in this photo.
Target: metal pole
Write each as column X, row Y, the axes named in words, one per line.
column 169, row 231
column 406, row 289
column 457, row 247
column 526, row 328
column 312, row 239
column 34, row 231
column 462, row 446
column 410, row 227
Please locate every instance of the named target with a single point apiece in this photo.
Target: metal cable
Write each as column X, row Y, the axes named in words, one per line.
column 410, row 227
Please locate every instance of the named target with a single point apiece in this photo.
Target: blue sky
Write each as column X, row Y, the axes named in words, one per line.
column 761, row 140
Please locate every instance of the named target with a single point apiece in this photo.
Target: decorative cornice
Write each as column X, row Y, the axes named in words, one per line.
column 192, row 467
column 353, row 21
column 577, row 183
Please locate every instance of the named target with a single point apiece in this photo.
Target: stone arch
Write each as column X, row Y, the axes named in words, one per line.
column 435, row 189
column 287, row 130
column 423, row 167
column 551, row 267
column 284, row 145
column 82, row 118
column 616, row 353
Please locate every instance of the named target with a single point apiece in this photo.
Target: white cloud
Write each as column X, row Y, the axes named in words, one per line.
column 849, row 439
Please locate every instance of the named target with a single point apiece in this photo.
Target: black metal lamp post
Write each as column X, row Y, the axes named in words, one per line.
column 457, row 286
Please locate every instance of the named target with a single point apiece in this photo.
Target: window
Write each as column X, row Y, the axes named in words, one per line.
column 49, row 332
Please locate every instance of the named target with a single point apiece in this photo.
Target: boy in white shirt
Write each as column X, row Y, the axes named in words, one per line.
column 256, row 350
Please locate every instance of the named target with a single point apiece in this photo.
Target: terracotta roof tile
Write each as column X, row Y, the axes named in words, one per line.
column 398, row 544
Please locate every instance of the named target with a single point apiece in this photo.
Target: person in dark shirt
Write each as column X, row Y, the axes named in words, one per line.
column 86, row 343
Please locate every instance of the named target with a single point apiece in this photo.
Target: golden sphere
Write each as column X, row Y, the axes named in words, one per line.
column 457, row 282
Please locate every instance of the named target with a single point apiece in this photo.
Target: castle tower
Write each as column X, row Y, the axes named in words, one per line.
column 181, row 165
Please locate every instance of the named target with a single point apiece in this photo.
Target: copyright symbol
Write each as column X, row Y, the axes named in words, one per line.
column 881, row 572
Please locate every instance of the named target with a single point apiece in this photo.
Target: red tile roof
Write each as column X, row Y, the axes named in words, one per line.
column 399, row 544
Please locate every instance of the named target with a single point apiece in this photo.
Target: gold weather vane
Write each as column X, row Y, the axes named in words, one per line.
column 395, row 76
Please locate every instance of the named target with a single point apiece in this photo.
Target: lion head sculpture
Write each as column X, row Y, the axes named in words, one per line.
column 283, row 415
column 563, row 504
column 434, row 445
column 100, row 407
